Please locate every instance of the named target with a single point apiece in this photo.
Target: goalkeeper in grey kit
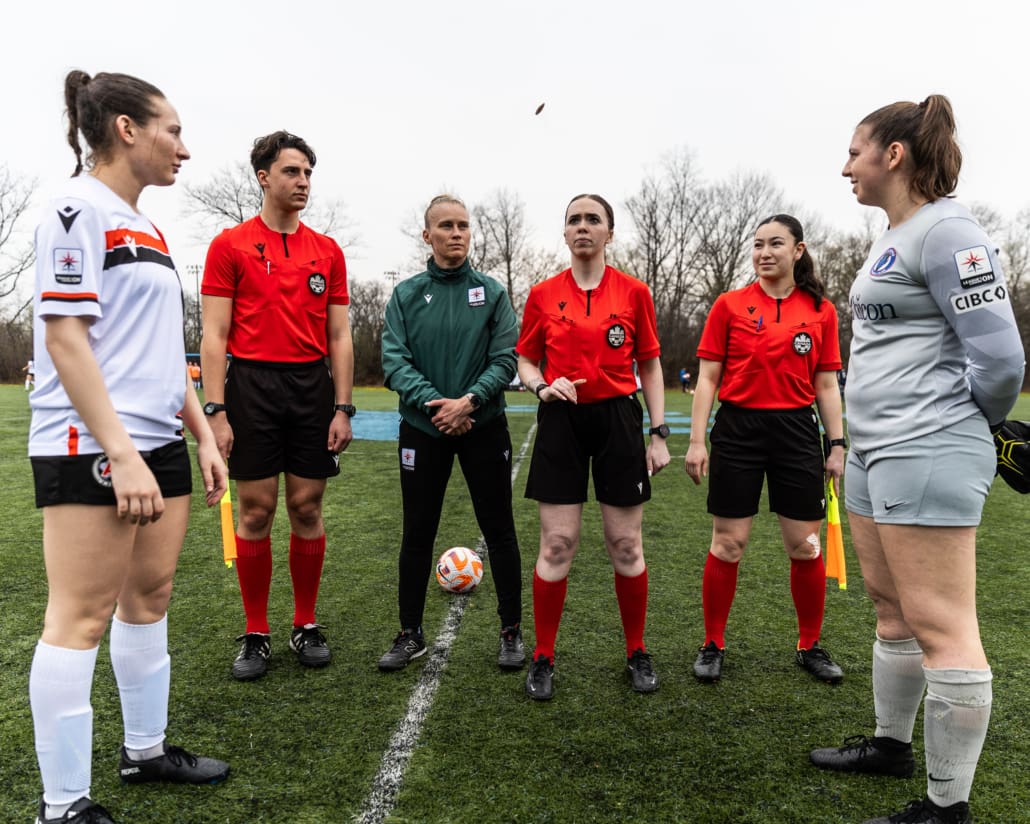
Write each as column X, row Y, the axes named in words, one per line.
column 936, row 364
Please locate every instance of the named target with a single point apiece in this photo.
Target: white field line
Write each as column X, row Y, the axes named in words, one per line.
column 378, row 804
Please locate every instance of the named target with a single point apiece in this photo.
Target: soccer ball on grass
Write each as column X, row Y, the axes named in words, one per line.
column 459, row 569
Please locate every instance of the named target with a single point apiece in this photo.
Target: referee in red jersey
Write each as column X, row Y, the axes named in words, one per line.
column 770, row 349
column 275, row 299
column 582, row 331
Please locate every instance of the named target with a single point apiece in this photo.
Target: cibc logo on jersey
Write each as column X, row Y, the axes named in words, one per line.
column 979, row 299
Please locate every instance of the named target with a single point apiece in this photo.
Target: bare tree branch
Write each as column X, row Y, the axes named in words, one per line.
column 15, row 199
column 233, row 196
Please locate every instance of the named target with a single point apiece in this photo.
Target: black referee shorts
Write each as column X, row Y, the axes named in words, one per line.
column 86, row 479
column 782, row 445
column 609, row 434
column 280, row 416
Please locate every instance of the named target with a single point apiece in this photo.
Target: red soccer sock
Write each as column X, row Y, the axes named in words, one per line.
column 306, row 558
column 254, row 569
column 808, row 588
column 631, row 593
column 717, row 591
column 548, row 604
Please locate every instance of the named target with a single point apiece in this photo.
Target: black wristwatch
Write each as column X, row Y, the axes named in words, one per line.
column 212, row 408
column 475, row 400
column 837, row 442
column 348, row 409
column 662, row 430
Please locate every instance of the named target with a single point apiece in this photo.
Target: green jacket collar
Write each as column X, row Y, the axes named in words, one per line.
column 439, row 273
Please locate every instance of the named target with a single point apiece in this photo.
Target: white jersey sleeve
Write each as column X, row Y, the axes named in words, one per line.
column 69, row 259
column 965, row 279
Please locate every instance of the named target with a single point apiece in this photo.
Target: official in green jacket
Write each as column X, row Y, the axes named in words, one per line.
column 449, row 352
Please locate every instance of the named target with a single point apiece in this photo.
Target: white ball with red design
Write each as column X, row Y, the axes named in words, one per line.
column 459, row 569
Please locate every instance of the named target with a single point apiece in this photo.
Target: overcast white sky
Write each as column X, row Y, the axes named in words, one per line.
column 402, row 99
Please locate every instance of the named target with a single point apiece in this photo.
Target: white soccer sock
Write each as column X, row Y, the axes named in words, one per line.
column 958, row 707
column 139, row 657
column 60, row 682
column 898, row 684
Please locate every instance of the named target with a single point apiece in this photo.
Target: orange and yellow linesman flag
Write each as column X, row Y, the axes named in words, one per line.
column 835, row 566
column 228, row 530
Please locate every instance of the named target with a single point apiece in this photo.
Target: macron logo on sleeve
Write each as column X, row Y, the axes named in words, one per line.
column 67, row 216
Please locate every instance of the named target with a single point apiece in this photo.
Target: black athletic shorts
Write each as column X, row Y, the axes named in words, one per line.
column 86, row 479
column 280, row 415
column 609, row 434
column 783, row 445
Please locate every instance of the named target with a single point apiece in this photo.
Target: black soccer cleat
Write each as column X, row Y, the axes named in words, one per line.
column 641, row 671
column 926, row 812
column 310, row 645
column 878, row 756
column 708, row 664
column 175, row 765
column 540, row 679
column 407, row 646
column 252, row 660
column 83, row 811
column 818, row 662
column 512, row 654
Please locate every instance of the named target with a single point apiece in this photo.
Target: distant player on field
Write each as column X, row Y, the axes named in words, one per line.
column 275, row 298
column 936, row 362
column 770, row 350
column 449, row 353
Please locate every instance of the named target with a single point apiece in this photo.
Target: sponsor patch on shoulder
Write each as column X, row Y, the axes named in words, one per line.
column 68, row 265
column 974, row 267
column 981, row 298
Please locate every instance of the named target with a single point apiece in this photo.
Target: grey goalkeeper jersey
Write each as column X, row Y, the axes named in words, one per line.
column 934, row 337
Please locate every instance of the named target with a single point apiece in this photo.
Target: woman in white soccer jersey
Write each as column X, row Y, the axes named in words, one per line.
column 936, row 360
column 111, row 467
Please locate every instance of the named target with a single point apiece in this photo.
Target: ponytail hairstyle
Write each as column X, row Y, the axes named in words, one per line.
column 805, row 277
column 928, row 131
column 93, row 103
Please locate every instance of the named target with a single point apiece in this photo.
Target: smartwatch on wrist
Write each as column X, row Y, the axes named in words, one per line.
column 540, row 387
column 662, row 431
column 348, row 409
column 212, row 408
column 475, row 400
column 829, row 443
